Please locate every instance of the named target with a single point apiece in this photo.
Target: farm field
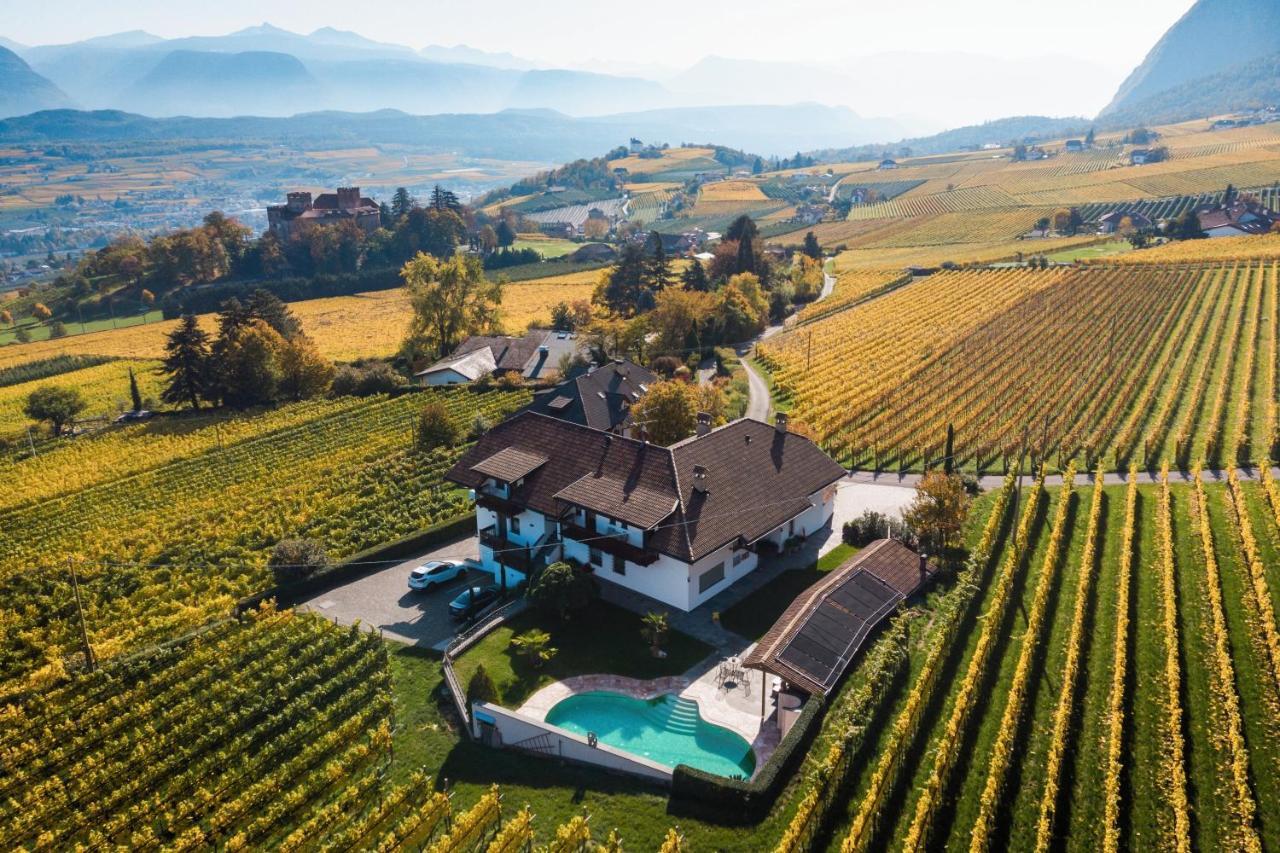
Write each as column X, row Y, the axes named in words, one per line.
column 165, row 542
column 343, row 327
column 105, row 388
column 1051, row 707
column 1113, row 363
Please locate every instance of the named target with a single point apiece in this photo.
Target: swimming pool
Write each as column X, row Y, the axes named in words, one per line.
column 666, row 729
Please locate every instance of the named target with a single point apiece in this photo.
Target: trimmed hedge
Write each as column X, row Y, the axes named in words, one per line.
column 749, row 801
column 364, row 563
column 208, row 297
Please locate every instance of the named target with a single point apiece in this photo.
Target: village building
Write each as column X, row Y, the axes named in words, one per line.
column 677, row 524
column 534, row 356
column 1122, row 220
column 599, row 397
column 1074, row 145
column 887, row 163
column 1244, row 216
column 301, row 212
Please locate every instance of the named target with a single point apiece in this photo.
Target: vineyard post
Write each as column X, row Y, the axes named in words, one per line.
column 31, row 442
column 84, row 632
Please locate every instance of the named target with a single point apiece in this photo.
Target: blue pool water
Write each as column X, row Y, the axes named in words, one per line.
column 665, row 729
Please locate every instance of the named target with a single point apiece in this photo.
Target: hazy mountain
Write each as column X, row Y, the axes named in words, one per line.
column 1024, row 129
column 1248, row 86
column 187, row 82
column 10, row 44
column 1214, row 36
column 130, row 38
column 583, row 93
column 23, row 90
column 539, row 135
column 472, row 56
column 411, row 86
column 781, row 130
column 324, row 44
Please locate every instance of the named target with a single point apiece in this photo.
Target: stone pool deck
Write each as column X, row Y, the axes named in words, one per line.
column 734, row 706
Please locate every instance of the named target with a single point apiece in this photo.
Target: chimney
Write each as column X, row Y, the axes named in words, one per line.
column 924, row 568
column 780, row 421
column 700, row 478
column 348, row 198
column 704, row 423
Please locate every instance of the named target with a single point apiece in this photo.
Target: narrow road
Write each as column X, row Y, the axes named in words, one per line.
column 758, row 401
column 1115, row 478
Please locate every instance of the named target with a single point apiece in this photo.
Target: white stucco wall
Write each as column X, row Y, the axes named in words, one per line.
column 448, row 376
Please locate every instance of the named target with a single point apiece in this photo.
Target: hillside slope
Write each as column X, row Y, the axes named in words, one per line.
column 223, row 84
column 24, row 91
column 1248, row 86
column 1212, row 37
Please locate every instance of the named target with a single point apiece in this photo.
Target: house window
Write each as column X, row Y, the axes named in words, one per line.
column 711, row 577
column 597, row 556
column 619, row 565
column 740, row 557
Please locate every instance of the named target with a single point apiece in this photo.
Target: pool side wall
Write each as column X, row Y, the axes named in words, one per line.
column 514, row 728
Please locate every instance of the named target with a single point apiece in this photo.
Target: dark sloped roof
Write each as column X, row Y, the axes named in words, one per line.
column 757, row 479
column 510, row 464
column 600, row 398
column 636, row 505
column 818, row 634
column 753, row 485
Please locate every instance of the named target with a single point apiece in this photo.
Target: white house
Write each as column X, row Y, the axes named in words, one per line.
column 678, row 524
column 459, row 370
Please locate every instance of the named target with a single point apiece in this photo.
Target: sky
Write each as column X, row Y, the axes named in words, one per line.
column 1112, row 33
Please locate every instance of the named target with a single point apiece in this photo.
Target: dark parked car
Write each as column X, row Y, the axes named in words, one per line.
column 472, row 600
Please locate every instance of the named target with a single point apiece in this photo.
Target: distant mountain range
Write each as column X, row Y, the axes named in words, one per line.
column 538, row 135
column 23, row 90
column 1219, row 57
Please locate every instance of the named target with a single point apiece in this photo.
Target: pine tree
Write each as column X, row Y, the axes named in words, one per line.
column 187, row 363
column 401, row 203
column 811, row 247
column 442, row 200
column 506, row 234
column 658, row 269
column 695, row 277
column 270, row 309
column 134, row 394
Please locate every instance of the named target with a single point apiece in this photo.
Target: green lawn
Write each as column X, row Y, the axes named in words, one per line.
column 549, row 248
column 1093, row 250
column 754, row 615
column 74, row 327
column 601, row 639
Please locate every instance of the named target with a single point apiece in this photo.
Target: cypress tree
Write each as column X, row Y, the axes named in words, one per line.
column 134, row 394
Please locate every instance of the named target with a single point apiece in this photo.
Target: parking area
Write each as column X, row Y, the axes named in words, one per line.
column 384, row 600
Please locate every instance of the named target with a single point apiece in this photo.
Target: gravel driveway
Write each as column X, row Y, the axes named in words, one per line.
column 384, row 600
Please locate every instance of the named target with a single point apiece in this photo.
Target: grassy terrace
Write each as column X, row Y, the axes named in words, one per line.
column 756, row 613
column 602, row 639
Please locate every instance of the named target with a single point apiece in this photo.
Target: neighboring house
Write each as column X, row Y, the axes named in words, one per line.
column 535, row 355
column 1110, row 223
column 809, row 214
column 1074, row 145
column 594, row 253
column 888, row 164
column 597, row 397
column 1244, row 216
column 636, row 145
column 677, row 524
column 301, row 212
column 1140, row 156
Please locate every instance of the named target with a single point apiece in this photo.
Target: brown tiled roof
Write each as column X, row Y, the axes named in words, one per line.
column 509, row 464
column 758, row 479
column 888, row 562
column 635, row 505
column 601, row 398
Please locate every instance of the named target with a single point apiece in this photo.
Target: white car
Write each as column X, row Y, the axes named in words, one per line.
column 435, row 573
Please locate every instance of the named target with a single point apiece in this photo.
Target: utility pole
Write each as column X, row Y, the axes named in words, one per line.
column 84, row 632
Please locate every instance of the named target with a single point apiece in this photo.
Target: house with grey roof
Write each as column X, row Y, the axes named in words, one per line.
column 536, row 355
column 678, row 524
column 600, row 397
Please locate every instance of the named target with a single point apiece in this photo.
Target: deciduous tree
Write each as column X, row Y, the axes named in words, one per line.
column 451, row 300
column 57, row 405
column 938, row 511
